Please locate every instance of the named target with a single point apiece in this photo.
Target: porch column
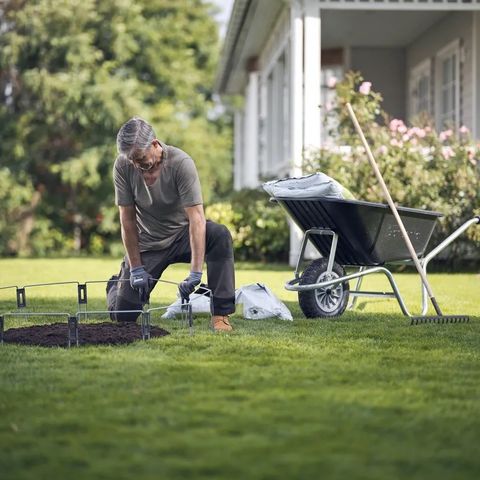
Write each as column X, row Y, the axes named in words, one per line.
column 296, row 82
column 296, row 103
column 312, row 90
column 238, row 152
column 250, row 150
column 312, row 82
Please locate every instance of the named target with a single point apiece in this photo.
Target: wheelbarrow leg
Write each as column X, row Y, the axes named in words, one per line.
column 358, row 285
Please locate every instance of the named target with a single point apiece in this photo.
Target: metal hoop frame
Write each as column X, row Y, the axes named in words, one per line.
column 73, row 320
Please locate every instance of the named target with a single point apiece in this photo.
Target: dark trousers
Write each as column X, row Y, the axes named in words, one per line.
column 220, row 272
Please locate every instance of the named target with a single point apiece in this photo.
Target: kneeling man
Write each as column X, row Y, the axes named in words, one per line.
column 158, row 193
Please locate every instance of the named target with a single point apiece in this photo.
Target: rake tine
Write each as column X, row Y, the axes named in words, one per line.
column 440, row 319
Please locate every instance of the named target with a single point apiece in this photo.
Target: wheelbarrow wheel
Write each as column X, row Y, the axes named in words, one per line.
column 323, row 302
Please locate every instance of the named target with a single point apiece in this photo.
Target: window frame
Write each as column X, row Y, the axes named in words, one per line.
column 419, row 71
column 275, row 112
column 452, row 48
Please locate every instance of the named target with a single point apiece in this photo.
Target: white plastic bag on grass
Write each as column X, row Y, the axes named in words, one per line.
column 259, row 302
column 200, row 304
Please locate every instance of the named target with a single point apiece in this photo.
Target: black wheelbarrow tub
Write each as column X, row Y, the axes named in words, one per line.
column 368, row 234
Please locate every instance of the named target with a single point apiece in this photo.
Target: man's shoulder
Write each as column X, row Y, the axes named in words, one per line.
column 121, row 162
column 122, row 166
column 175, row 156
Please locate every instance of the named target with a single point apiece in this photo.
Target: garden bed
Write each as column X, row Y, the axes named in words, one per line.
column 56, row 334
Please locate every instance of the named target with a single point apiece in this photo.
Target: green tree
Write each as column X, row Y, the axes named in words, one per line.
column 71, row 72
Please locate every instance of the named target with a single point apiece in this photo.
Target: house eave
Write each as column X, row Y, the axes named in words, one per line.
column 248, row 31
column 242, row 18
column 235, row 25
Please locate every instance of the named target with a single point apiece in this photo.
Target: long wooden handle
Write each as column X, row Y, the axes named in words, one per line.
column 408, row 242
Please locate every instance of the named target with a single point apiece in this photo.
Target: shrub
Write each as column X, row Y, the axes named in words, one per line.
column 422, row 168
column 259, row 228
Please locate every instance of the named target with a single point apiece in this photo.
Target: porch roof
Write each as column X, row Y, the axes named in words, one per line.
column 363, row 23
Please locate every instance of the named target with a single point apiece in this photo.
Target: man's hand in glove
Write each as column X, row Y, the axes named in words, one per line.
column 188, row 285
column 139, row 278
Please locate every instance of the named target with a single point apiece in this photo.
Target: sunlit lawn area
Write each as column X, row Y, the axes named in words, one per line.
column 361, row 396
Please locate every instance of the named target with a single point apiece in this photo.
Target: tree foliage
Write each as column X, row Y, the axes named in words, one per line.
column 71, row 72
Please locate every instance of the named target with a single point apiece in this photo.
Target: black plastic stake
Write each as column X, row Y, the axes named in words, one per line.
column 82, row 294
column 1, row 329
column 72, row 331
column 145, row 325
column 21, row 298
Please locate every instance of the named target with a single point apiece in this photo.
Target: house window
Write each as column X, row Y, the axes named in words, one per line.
column 275, row 116
column 448, row 86
column 329, row 76
column 332, row 71
column 420, row 89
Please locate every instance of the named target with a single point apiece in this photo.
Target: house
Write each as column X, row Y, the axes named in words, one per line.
column 422, row 55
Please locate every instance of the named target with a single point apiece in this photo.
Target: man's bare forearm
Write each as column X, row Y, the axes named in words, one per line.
column 130, row 242
column 197, row 232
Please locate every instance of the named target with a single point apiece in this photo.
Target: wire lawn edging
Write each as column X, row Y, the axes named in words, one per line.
column 73, row 319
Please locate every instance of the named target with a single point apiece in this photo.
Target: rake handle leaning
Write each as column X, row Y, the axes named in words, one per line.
column 408, row 242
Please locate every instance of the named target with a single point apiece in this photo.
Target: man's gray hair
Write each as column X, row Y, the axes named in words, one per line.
column 134, row 136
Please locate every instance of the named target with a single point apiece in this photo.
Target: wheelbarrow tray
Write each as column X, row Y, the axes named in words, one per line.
column 368, row 234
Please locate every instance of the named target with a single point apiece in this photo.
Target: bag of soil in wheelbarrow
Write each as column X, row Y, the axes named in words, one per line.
column 315, row 185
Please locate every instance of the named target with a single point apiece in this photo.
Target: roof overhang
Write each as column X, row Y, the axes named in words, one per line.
column 356, row 22
column 248, row 30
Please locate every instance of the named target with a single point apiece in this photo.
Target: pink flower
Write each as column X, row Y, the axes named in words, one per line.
column 406, row 137
column 395, row 124
column 382, row 150
column 445, row 134
column 447, row 152
column 470, row 152
column 402, row 128
column 365, row 88
column 395, row 143
column 415, row 131
column 331, row 82
column 421, row 133
column 464, row 130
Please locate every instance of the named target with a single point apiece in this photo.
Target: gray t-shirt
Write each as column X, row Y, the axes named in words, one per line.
column 160, row 207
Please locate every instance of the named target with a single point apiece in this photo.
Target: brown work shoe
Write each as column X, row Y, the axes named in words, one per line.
column 220, row 323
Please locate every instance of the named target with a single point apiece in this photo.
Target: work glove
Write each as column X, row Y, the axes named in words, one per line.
column 139, row 278
column 188, row 285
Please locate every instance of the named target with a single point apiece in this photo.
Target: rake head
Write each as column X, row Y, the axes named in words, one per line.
column 440, row 319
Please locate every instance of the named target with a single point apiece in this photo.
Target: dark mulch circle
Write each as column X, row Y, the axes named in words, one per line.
column 56, row 334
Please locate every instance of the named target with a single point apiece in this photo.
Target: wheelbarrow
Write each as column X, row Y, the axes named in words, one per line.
column 364, row 236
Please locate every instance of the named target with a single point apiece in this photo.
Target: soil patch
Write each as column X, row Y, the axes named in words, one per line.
column 56, row 334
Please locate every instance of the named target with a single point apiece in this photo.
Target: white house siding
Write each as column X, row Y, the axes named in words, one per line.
column 385, row 68
column 454, row 26
column 275, row 107
column 238, row 124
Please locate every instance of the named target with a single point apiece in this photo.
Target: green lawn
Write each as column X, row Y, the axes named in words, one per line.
column 361, row 396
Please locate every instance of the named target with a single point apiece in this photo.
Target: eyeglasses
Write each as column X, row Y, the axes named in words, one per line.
column 138, row 163
column 144, row 169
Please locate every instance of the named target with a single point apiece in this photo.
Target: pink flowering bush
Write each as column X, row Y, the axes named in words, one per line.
column 423, row 168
